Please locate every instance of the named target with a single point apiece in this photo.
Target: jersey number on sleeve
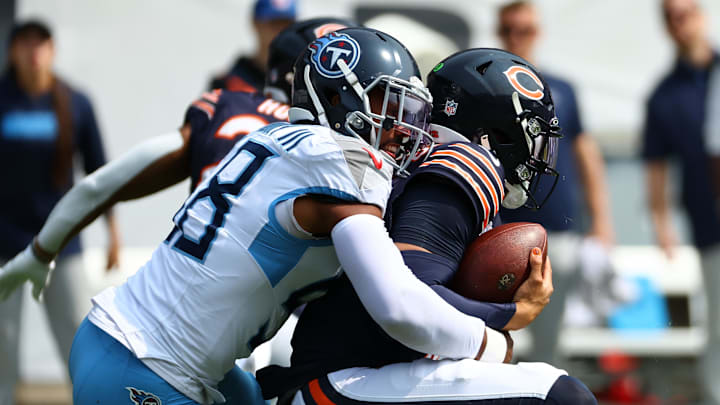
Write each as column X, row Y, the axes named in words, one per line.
column 215, row 192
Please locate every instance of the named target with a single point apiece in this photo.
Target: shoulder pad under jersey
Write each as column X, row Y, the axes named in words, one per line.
column 340, row 162
column 205, row 105
column 472, row 167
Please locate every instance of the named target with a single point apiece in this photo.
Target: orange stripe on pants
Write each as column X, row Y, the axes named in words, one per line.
column 317, row 394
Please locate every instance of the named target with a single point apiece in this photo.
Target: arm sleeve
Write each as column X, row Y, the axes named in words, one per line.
column 436, row 271
column 89, row 141
column 79, row 204
column 406, row 308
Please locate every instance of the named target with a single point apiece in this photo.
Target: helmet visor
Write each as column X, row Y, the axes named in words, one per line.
column 401, row 111
column 398, row 112
column 544, row 151
column 543, row 138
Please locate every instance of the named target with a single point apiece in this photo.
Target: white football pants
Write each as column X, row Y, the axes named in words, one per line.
column 426, row 380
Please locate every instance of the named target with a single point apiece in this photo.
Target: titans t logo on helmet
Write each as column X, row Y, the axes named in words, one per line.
column 328, row 50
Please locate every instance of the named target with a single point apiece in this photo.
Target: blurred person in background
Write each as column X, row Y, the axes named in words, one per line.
column 676, row 116
column 43, row 122
column 270, row 17
column 581, row 166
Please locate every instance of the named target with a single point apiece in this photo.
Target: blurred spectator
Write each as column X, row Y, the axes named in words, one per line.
column 42, row 123
column 676, row 112
column 580, row 165
column 248, row 73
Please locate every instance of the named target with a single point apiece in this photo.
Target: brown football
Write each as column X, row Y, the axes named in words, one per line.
column 498, row 261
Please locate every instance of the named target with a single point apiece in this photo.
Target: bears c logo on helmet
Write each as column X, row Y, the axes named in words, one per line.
column 328, row 50
column 535, row 91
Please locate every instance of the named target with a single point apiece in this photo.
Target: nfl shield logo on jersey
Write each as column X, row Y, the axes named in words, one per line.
column 143, row 398
column 450, row 107
column 328, row 50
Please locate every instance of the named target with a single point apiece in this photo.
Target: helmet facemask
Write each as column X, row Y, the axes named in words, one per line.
column 386, row 103
column 400, row 106
column 541, row 138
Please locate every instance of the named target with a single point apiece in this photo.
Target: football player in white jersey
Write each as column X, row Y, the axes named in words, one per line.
column 212, row 125
column 283, row 210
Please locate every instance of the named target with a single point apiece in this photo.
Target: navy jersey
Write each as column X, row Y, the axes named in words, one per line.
column 217, row 121
column 674, row 122
column 451, row 195
column 471, row 167
column 29, row 131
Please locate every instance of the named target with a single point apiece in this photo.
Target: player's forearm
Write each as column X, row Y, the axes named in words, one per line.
column 525, row 313
column 406, row 308
column 95, row 193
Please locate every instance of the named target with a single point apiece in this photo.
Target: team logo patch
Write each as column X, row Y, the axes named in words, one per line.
column 377, row 162
column 525, row 82
column 328, row 50
column 143, row 398
column 507, row 280
column 451, row 107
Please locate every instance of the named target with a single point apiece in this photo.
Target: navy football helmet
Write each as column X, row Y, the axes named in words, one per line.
column 287, row 45
column 499, row 100
column 361, row 82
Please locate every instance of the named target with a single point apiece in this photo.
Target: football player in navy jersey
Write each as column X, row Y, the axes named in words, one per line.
column 451, row 195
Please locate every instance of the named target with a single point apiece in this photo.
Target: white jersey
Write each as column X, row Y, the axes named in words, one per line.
column 229, row 274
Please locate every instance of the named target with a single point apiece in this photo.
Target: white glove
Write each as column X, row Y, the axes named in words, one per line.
column 25, row 266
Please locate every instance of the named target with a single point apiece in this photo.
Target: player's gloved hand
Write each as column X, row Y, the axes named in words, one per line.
column 25, row 266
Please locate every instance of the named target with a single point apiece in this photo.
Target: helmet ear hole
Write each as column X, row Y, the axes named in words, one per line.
column 334, row 99
column 483, row 68
column 501, row 137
